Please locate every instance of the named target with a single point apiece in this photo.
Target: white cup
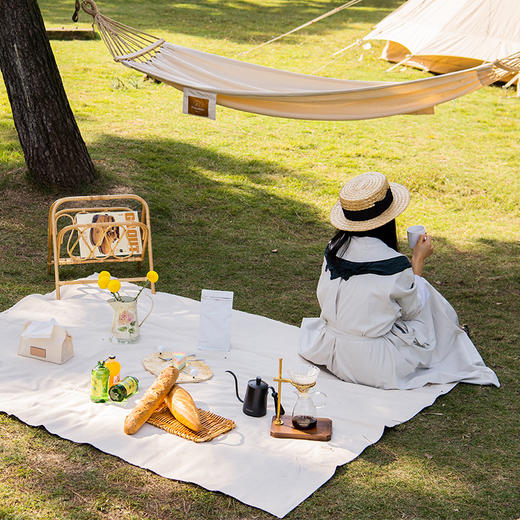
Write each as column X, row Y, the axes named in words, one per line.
column 414, row 232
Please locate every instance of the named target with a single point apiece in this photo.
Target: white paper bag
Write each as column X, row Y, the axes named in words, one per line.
column 215, row 320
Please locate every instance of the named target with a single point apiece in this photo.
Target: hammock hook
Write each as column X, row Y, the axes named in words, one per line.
column 76, row 11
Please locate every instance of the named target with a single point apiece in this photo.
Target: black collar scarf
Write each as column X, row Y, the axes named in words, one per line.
column 339, row 267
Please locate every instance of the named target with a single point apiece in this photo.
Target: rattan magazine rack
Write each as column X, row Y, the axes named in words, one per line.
column 83, row 230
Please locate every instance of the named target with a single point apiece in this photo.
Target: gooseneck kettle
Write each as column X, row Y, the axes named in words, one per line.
column 255, row 400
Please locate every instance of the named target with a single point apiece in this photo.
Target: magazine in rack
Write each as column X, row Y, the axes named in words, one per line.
column 117, row 240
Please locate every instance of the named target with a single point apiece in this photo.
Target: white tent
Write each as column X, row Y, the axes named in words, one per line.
column 448, row 35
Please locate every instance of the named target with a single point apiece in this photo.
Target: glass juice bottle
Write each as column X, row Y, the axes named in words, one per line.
column 124, row 389
column 99, row 383
column 115, row 369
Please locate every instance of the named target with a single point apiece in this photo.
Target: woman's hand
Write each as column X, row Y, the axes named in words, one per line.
column 424, row 247
column 422, row 250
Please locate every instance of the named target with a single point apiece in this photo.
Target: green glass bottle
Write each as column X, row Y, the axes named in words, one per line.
column 99, row 383
column 124, row 389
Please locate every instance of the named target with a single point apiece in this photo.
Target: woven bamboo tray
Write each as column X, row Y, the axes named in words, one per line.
column 212, row 425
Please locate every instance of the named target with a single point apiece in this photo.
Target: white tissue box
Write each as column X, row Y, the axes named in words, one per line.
column 57, row 348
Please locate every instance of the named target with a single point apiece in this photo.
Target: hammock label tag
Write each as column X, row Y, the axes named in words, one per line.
column 199, row 103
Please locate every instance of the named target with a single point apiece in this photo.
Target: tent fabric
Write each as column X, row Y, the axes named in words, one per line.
column 445, row 36
column 262, row 90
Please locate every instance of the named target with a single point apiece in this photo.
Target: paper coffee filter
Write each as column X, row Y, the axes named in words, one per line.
column 304, row 374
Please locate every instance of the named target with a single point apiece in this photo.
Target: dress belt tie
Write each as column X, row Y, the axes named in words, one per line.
column 342, row 333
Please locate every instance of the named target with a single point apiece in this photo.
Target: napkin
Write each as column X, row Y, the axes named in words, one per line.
column 39, row 329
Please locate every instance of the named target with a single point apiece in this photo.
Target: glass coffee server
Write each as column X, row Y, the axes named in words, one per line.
column 303, row 378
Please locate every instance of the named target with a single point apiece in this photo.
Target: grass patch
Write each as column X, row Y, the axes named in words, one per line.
column 224, row 194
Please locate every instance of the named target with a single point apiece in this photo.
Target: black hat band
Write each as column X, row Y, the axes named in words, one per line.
column 374, row 211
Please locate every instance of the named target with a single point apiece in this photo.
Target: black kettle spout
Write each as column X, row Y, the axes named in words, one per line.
column 236, row 385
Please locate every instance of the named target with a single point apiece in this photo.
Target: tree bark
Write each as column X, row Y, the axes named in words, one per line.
column 54, row 150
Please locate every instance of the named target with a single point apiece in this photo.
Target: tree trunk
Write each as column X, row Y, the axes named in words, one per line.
column 54, row 150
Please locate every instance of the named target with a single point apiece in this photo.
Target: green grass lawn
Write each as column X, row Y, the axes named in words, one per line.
column 224, row 194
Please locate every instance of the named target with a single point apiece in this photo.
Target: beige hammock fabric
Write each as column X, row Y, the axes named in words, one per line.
column 262, row 90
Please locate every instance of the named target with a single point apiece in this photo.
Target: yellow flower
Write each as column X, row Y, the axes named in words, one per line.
column 114, row 286
column 152, row 276
column 103, row 279
column 103, row 282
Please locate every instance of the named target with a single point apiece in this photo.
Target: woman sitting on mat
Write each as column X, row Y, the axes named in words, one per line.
column 381, row 323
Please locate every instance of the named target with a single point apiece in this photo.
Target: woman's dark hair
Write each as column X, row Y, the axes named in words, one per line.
column 387, row 233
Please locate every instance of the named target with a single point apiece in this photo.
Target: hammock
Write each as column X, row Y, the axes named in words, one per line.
column 272, row 92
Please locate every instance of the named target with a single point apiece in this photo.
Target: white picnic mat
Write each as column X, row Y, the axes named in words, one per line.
column 272, row 474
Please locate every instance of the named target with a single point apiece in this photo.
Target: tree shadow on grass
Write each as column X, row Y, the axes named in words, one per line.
column 239, row 21
column 215, row 221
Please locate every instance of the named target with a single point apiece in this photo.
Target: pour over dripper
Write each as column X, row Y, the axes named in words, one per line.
column 303, row 378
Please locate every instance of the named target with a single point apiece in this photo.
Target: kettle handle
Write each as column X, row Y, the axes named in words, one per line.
column 274, row 393
column 236, row 384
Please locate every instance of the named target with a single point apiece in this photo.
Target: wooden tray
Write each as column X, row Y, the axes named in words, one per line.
column 212, row 425
column 321, row 432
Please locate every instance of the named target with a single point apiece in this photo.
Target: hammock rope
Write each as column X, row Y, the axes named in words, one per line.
column 262, row 90
column 122, row 41
column 329, row 13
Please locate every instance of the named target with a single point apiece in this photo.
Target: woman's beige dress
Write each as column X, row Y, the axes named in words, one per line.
column 388, row 331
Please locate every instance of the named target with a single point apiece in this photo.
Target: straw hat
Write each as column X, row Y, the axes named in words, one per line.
column 367, row 202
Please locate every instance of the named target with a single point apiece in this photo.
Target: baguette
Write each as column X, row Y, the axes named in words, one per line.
column 183, row 408
column 151, row 400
